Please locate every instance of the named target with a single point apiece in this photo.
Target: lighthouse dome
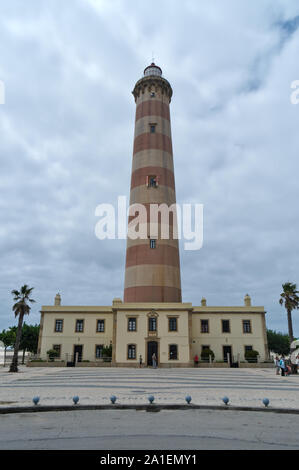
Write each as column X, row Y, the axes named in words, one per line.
column 152, row 69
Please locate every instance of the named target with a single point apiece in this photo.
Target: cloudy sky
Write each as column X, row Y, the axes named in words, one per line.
column 66, row 141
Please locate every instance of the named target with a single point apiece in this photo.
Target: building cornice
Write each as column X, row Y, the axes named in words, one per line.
column 150, row 82
column 219, row 309
column 75, row 309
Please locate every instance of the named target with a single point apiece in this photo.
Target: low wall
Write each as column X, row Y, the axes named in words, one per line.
column 259, row 365
column 202, row 365
column 242, row 365
column 63, row 364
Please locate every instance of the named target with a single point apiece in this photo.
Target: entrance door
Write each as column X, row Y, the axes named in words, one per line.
column 227, row 354
column 78, row 352
column 152, row 347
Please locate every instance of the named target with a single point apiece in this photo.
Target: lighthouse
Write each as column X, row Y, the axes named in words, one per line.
column 152, row 272
column 151, row 325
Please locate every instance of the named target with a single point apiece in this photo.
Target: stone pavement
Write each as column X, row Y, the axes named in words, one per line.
column 94, row 386
column 136, row 430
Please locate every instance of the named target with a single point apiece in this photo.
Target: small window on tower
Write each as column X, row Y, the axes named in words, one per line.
column 152, row 243
column 153, row 94
column 152, row 182
column 152, row 128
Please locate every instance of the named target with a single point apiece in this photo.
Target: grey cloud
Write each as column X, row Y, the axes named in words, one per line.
column 67, row 139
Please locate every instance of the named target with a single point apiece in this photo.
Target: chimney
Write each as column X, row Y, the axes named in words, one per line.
column 57, row 300
column 247, row 300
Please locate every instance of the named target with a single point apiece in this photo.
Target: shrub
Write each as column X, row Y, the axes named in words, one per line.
column 107, row 351
column 206, row 353
column 52, row 353
column 251, row 356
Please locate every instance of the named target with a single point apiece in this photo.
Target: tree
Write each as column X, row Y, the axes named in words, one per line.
column 29, row 339
column 290, row 300
column 20, row 309
column 278, row 343
column 8, row 338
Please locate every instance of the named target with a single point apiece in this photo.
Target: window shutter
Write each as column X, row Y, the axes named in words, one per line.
column 146, row 181
column 157, row 180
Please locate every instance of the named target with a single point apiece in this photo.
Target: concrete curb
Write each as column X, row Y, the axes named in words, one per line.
column 146, row 407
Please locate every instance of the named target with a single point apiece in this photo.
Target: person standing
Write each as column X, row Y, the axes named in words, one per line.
column 277, row 365
column 282, row 366
column 154, row 360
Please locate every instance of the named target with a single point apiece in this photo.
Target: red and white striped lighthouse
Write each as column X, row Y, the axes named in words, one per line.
column 153, row 263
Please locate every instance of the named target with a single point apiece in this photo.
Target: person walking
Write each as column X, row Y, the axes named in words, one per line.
column 154, row 360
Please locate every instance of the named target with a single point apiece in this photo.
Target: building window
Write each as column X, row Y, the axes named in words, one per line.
column 152, row 182
column 172, row 324
column 132, row 324
column 225, row 326
column 204, row 326
column 57, row 347
column 152, row 128
column 153, row 94
column 204, row 347
column 131, row 351
column 173, row 352
column 99, row 351
column 246, row 326
column 153, row 244
column 58, row 326
column 79, row 326
column 100, row 326
column 152, row 324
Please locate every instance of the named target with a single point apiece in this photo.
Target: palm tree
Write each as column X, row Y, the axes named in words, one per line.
column 290, row 300
column 20, row 308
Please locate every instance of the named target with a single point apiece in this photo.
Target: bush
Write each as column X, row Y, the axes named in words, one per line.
column 107, row 351
column 52, row 353
column 206, row 353
column 251, row 356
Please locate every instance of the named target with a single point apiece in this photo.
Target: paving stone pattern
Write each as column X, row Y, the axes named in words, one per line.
column 57, row 386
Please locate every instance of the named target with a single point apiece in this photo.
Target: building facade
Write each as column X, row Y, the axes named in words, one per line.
column 175, row 332
column 152, row 319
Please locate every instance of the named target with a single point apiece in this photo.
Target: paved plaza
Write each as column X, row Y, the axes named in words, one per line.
column 131, row 429
column 94, row 386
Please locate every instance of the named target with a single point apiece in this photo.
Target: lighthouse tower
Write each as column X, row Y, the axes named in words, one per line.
column 152, row 262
